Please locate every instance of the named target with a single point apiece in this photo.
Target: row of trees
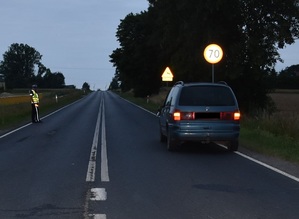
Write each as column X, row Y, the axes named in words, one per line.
column 174, row 33
column 288, row 78
column 22, row 67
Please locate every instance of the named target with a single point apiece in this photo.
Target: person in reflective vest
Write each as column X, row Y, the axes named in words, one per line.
column 34, row 104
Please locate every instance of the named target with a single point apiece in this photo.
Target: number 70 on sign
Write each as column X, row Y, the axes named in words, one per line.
column 213, row 53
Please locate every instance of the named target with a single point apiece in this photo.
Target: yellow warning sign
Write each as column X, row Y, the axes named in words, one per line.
column 167, row 75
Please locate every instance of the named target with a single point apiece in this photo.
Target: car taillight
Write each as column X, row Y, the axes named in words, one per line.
column 230, row 116
column 177, row 116
column 237, row 116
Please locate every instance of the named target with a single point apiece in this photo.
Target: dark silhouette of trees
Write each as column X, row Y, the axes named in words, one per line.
column 174, row 33
column 86, row 86
column 22, row 67
column 288, row 78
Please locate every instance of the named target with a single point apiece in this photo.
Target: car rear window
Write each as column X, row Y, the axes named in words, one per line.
column 206, row 96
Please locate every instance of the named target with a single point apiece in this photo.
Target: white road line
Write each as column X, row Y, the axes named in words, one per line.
column 268, row 166
column 98, row 216
column 91, row 170
column 98, row 194
column 104, row 158
column 90, row 177
column 263, row 164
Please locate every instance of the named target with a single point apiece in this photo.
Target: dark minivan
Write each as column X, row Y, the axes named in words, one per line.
column 203, row 112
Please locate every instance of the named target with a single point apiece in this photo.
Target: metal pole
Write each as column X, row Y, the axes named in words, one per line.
column 212, row 73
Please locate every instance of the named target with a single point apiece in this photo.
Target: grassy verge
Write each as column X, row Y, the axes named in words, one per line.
column 145, row 103
column 19, row 112
column 267, row 143
column 276, row 136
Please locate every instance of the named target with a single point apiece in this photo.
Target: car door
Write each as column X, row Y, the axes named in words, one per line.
column 164, row 112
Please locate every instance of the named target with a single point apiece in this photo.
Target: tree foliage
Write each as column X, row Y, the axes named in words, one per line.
column 86, row 86
column 288, row 78
column 22, row 67
column 174, row 33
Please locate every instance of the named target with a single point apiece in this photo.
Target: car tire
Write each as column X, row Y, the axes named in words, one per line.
column 172, row 145
column 234, row 145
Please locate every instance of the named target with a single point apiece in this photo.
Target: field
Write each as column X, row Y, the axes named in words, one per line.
column 286, row 118
column 286, row 100
column 15, row 107
column 275, row 135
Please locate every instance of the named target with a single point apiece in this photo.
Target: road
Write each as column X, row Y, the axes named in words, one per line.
column 101, row 158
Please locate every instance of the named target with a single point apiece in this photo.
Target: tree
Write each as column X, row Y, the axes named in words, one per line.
column 114, row 84
column 22, row 67
column 19, row 64
column 134, row 67
column 174, row 33
column 85, row 86
column 288, row 78
column 53, row 80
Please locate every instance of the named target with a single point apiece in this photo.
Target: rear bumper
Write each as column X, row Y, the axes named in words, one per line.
column 206, row 132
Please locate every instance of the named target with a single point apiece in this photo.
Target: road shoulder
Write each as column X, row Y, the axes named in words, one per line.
column 283, row 165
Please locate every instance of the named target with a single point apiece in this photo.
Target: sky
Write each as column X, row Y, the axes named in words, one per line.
column 76, row 37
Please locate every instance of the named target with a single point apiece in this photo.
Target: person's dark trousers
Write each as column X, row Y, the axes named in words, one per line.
column 34, row 113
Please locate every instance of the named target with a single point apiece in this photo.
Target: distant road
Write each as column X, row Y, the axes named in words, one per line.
column 101, row 158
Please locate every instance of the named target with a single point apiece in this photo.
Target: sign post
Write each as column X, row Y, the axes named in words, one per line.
column 213, row 54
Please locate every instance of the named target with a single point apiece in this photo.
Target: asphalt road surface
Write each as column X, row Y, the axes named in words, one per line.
column 101, row 158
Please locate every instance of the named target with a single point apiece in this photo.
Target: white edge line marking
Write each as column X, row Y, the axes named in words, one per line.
column 139, row 106
column 24, row 126
column 90, row 176
column 264, row 164
column 104, row 158
column 268, row 166
column 98, row 194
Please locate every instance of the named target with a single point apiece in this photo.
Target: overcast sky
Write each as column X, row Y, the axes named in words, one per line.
column 76, row 37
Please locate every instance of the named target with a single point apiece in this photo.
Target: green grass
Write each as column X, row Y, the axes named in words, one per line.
column 142, row 102
column 20, row 113
column 267, row 143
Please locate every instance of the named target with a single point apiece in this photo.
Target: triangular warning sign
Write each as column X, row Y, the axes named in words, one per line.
column 167, row 75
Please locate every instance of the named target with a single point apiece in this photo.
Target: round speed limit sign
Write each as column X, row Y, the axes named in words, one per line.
column 213, row 53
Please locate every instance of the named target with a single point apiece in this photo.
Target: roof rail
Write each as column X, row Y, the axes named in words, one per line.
column 179, row 82
column 222, row 82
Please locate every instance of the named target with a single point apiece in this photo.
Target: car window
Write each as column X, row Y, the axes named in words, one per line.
column 168, row 98
column 171, row 97
column 206, row 96
column 174, row 95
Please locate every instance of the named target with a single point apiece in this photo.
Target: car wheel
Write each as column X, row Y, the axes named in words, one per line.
column 234, row 145
column 172, row 145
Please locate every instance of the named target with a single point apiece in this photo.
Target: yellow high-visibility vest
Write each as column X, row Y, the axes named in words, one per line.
column 35, row 98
